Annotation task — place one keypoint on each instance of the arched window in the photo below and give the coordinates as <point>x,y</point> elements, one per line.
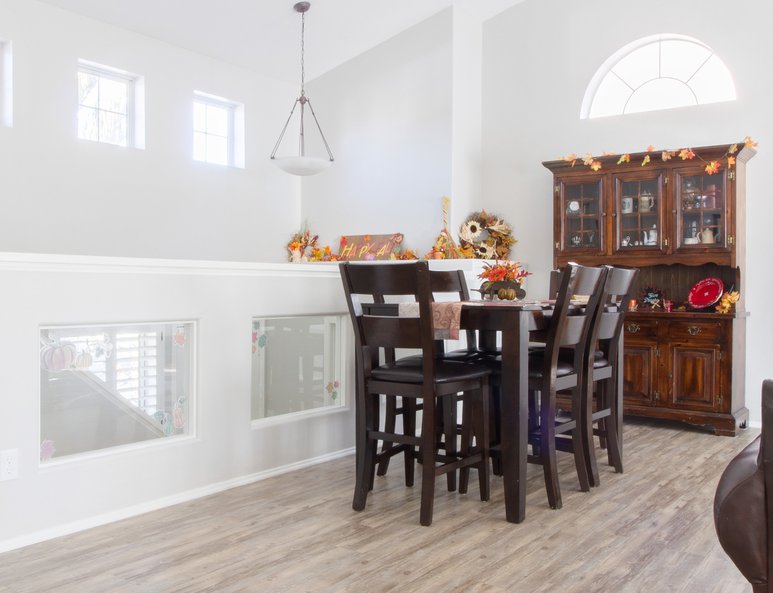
<point>657,72</point>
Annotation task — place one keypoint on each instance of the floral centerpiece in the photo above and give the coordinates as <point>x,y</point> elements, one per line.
<point>503,279</point>
<point>303,247</point>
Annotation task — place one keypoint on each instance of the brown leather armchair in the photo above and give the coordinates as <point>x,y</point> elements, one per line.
<point>743,504</point>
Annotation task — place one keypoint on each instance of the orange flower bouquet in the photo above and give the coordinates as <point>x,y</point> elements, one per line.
<point>503,279</point>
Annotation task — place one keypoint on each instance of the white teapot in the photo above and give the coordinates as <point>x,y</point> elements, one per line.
<point>650,237</point>
<point>707,236</point>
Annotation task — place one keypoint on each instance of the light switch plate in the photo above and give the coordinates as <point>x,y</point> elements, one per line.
<point>9,464</point>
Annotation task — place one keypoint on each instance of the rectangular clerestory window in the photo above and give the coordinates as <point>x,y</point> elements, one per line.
<point>6,84</point>
<point>218,130</point>
<point>110,105</point>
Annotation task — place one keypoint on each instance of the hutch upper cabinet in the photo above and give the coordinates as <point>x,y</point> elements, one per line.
<point>678,223</point>
<point>629,214</point>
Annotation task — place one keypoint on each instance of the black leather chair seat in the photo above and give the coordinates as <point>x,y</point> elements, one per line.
<point>537,365</point>
<point>409,370</point>
<point>599,361</point>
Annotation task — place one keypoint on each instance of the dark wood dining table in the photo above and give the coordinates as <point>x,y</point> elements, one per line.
<point>514,321</point>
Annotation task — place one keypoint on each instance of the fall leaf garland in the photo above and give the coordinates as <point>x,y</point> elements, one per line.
<point>685,154</point>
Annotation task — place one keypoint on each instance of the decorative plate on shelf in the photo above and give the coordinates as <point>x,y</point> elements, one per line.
<point>705,293</point>
<point>574,207</point>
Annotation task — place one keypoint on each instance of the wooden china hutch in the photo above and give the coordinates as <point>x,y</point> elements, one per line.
<point>679,225</point>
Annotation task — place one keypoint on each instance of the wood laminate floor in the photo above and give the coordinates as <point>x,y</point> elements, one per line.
<point>649,530</point>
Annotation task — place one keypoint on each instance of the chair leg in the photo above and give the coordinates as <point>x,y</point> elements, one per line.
<point>427,462</point>
<point>476,422</point>
<point>409,428</point>
<point>389,426</point>
<point>448,405</point>
<point>467,436</point>
<point>534,414</point>
<point>612,424</point>
<point>483,439</point>
<point>495,428</point>
<point>579,438</point>
<point>585,435</point>
<point>547,450</point>
<point>367,449</point>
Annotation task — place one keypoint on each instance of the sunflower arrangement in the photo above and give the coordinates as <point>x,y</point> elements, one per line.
<point>485,236</point>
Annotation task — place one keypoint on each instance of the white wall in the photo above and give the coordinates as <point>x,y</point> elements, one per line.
<point>62,195</point>
<point>227,450</point>
<point>467,137</point>
<point>387,115</point>
<point>538,58</point>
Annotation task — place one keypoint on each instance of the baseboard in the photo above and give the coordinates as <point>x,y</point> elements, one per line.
<point>160,503</point>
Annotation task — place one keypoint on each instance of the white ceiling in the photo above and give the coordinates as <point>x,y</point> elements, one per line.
<point>264,35</point>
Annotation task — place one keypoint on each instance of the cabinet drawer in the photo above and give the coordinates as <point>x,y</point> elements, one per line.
<point>692,331</point>
<point>640,330</point>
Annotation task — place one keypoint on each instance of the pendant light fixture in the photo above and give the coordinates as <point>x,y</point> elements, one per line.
<point>302,164</point>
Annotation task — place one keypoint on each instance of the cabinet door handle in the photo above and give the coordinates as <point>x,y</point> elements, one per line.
<point>694,330</point>
<point>632,328</point>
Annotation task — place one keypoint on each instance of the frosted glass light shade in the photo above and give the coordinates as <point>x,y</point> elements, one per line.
<point>302,165</point>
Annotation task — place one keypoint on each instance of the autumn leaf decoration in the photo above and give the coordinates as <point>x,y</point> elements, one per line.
<point>686,154</point>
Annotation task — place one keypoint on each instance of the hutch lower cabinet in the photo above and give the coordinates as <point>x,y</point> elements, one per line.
<point>678,216</point>
<point>685,367</point>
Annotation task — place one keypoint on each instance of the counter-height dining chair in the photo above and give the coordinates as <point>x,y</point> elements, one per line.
<point>427,379</point>
<point>743,504</point>
<point>602,403</point>
<point>550,372</point>
<point>445,285</point>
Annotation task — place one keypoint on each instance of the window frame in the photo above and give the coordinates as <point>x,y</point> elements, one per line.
<point>235,138</point>
<point>6,83</point>
<point>111,331</point>
<point>135,121</point>
<point>608,66</point>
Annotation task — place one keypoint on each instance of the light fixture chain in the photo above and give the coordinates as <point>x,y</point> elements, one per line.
<point>303,61</point>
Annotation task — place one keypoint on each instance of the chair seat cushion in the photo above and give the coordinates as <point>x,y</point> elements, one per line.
<point>739,514</point>
<point>462,354</point>
<point>567,355</point>
<point>409,370</point>
<point>537,366</point>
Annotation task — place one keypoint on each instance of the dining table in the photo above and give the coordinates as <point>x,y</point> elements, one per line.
<point>513,322</point>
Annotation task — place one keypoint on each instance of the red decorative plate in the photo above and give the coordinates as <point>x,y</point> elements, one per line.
<point>705,293</point>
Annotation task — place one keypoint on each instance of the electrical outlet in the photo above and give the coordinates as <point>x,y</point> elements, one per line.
<point>9,464</point>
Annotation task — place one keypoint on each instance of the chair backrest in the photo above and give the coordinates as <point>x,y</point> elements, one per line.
<point>555,283</point>
<point>452,282</point>
<point>570,324</point>
<point>376,333</point>
<point>608,324</point>
<point>743,503</point>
